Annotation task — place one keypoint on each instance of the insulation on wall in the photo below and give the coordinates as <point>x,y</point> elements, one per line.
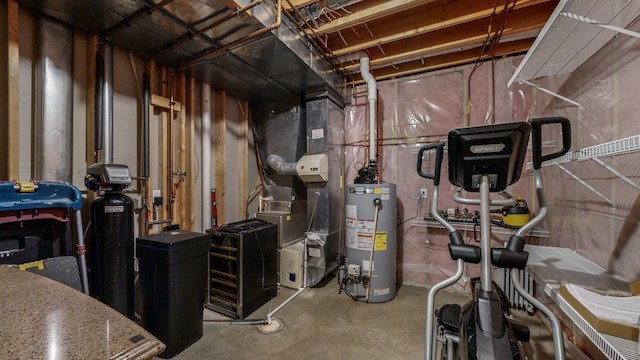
<point>422,109</point>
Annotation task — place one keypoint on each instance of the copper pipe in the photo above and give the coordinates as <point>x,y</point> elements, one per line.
<point>209,54</point>
<point>208,27</point>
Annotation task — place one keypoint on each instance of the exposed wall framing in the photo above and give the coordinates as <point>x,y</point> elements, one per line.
<point>13,94</point>
<point>220,144</point>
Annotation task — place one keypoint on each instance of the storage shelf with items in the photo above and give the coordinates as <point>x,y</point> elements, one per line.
<point>469,226</point>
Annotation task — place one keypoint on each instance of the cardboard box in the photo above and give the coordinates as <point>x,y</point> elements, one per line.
<point>622,330</point>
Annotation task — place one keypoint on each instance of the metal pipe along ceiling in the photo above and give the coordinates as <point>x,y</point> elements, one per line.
<point>54,87</point>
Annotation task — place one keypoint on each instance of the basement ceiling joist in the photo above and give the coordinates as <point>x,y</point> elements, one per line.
<point>214,40</point>
<point>401,36</point>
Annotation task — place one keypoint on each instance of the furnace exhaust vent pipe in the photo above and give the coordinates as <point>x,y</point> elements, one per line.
<point>372,95</point>
<point>369,173</point>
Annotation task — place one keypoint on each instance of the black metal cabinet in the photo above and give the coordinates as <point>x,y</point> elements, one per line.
<point>242,267</point>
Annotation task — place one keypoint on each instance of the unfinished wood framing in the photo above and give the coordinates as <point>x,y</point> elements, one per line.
<point>243,154</point>
<point>190,104</point>
<point>220,144</point>
<point>163,170</point>
<point>13,93</point>
<point>181,156</point>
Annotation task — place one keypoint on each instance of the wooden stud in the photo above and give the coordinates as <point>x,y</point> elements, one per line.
<point>181,155</point>
<point>163,173</point>
<point>165,103</point>
<point>243,156</point>
<point>150,183</point>
<point>190,102</point>
<point>13,91</point>
<point>220,143</point>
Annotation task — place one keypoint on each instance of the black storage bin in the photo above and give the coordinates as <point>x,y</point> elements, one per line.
<point>173,274</point>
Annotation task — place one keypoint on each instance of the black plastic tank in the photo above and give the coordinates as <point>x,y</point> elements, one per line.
<point>111,252</point>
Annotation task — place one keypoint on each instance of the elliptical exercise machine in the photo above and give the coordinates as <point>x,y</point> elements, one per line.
<point>487,159</point>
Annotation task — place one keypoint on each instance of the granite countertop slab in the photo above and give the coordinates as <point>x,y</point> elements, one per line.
<point>44,319</point>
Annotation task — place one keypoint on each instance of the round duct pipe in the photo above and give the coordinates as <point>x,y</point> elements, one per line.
<point>281,167</point>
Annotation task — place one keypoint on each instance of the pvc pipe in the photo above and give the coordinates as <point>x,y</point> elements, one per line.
<point>205,139</point>
<point>372,95</point>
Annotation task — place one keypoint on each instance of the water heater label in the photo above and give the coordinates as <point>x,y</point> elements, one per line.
<point>381,291</point>
<point>114,209</point>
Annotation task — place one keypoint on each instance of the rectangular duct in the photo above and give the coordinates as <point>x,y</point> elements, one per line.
<point>325,135</point>
<point>52,152</point>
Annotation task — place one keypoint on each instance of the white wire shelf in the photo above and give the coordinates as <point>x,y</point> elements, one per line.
<point>552,266</point>
<point>468,226</point>
<point>613,148</point>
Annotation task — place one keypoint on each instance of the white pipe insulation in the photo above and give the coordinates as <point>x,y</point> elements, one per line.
<point>205,140</point>
<point>372,95</point>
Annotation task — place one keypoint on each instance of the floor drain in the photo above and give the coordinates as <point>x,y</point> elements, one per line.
<point>274,326</point>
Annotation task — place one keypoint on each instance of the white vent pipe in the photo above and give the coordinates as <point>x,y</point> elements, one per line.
<point>372,95</point>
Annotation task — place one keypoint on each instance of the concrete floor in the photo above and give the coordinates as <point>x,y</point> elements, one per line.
<point>322,324</point>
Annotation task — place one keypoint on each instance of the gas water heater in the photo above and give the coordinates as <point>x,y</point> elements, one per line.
<point>111,247</point>
<point>370,242</point>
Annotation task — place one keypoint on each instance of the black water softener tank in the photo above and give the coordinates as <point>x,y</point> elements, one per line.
<point>111,247</point>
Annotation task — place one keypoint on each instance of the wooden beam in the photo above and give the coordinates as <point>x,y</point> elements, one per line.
<point>422,23</point>
<point>470,34</point>
<point>449,60</point>
<point>190,103</point>
<point>220,144</point>
<point>368,14</point>
<point>165,103</point>
<point>243,157</point>
<point>13,92</point>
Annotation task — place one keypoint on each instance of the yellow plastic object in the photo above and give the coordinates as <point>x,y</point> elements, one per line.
<point>516,214</point>
<point>39,264</point>
<point>26,187</point>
